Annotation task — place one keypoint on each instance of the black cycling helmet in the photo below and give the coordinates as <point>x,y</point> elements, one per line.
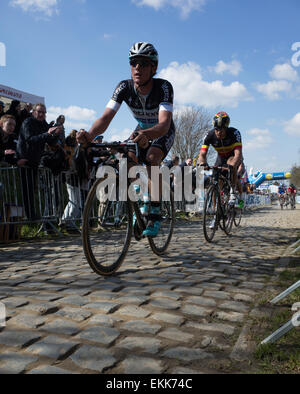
<point>221,120</point>
<point>144,49</point>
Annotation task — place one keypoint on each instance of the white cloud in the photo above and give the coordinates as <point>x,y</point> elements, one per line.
<point>185,6</point>
<point>46,7</point>
<point>284,72</point>
<point>272,89</point>
<point>292,126</point>
<point>107,36</point>
<point>261,139</point>
<point>283,75</point>
<point>190,88</point>
<point>76,117</point>
<point>233,68</point>
<point>120,135</point>
<point>257,131</point>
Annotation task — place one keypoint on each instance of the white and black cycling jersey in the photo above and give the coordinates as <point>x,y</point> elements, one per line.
<point>145,109</point>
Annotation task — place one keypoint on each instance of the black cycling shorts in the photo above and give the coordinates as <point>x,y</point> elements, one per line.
<point>222,161</point>
<point>163,143</point>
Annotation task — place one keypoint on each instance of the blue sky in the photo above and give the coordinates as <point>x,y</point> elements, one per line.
<point>232,55</point>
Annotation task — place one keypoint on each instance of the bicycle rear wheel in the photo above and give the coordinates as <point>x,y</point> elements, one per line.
<point>160,244</point>
<point>210,213</point>
<point>106,231</point>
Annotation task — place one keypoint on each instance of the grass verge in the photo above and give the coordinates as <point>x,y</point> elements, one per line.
<point>283,356</point>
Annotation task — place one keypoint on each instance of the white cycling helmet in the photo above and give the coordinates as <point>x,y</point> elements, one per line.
<point>144,49</point>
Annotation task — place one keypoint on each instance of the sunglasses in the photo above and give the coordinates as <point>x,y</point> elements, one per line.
<point>142,63</point>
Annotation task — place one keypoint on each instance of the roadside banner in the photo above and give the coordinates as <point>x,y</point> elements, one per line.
<point>24,97</point>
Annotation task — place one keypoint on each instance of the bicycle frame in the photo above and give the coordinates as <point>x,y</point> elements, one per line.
<point>122,147</point>
<point>217,177</point>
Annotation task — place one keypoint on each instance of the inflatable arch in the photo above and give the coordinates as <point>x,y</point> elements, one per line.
<point>262,177</point>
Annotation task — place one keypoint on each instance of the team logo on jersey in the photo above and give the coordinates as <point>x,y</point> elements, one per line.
<point>119,90</point>
<point>238,136</point>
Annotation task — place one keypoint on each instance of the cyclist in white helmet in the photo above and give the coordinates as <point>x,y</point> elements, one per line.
<point>151,103</point>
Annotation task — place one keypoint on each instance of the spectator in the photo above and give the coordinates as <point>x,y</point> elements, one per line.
<point>15,110</point>
<point>73,208</point>
<point>173,162</point>
<point>187,163</point>
<point>8,143</point>
<point>26,112</point>
<point>77,179</point>
<point>2,107</point>
<point>34,134</point>
<point>60,121</point>
<point>83,158</point>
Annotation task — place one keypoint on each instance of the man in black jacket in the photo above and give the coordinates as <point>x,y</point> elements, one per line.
<point>26,112</point>
<point>2,106</point>
<point>34,134</point>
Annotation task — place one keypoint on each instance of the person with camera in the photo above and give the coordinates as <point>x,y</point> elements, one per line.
<point>74,206</point>
<point>60,121</point>
<point>34,134</point>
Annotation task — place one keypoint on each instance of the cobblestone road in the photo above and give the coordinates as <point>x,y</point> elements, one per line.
<point>179,314</point>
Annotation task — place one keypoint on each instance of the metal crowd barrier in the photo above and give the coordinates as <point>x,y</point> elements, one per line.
<point>251,200</point>
<point>257,200</point>
<point>36,196</point>
<point>29,196</point>
<point>292,323</point>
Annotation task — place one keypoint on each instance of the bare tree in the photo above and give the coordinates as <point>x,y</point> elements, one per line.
<point>192,124</point>
<point>296,175</point>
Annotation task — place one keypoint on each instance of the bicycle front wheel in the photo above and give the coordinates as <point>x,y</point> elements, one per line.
<point>237,217</point>
<point>210,213</point>
<point>228,210</point>
<point>106,231</point>
<point>160,244</point>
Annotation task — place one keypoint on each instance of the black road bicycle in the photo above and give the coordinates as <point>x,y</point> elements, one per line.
<point>108,226</point>
<point>217,210</point>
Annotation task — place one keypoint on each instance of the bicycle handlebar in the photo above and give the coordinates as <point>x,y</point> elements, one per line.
<point>119,146</point>
<point>220,168</point>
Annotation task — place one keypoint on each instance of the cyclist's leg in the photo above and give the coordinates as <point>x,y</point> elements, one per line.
<point>234,175</point>
<point>235,181</point>
<point>280,198</point>
<point>219,163</point>
<point>154,158</point>
<point>158,150</point>
<point>240,173</point>
<point>293,196</point>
